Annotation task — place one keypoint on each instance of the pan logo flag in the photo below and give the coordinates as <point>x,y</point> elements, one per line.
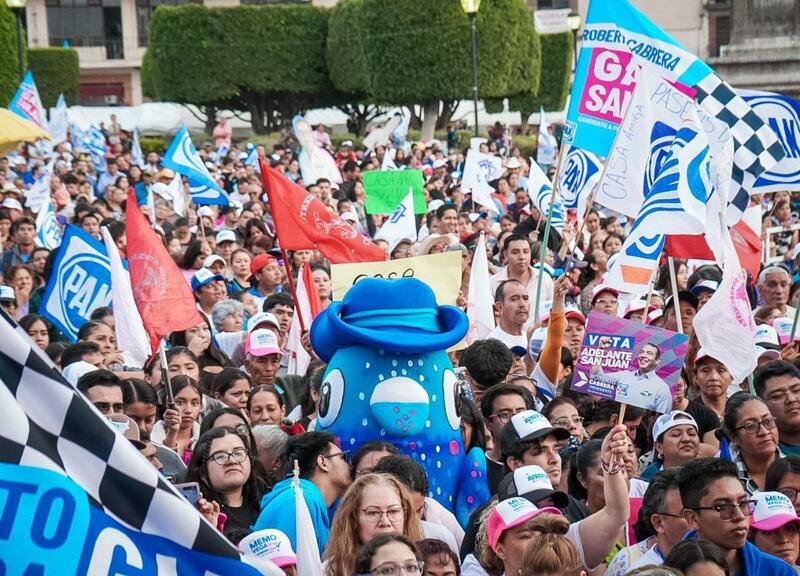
<point>184,159</point>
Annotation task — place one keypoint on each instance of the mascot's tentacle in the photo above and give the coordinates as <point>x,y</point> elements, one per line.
<point>472,486</point>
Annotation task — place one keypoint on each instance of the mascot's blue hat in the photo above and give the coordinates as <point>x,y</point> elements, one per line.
<point>396,315</point>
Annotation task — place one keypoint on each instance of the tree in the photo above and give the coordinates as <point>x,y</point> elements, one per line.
<point>56,71</point>
<point>9,67</point>
<point>408,52</point>
<point>268,60</point>
<point>557,55</point>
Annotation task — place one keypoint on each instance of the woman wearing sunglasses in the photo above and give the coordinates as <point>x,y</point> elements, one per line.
<point>221,465</point>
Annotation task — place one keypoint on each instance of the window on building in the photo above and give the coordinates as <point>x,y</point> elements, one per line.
<point>552,4</point>
<point>722,33</point>
<point>144,12</point>
<point>85,23</point>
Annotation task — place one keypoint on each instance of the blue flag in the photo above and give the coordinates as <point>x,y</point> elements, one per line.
<point>616,41</point>
<point>252,159</point>
<point>782,114</point>
<point>26,101</point>
<point>579,173</point>
<point>79,282</point>
<point>94,141</point>
<point>182,157</point>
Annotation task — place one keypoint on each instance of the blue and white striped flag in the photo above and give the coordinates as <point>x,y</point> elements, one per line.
<point>540,191</point>
<point>95,142</point>
<point>182,157</point>
<point>48,233</point>
<point>252,159</point>
<point>221,152</point>
<point>676,202</point>
<point>137,157</point>
<point>59,121</point>
<point>39,192</point>
<point>26,102</point>
<point>579,174</point>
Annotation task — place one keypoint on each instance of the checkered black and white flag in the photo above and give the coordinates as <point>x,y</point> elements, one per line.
<point>47,424</point>
<point>756,147</point>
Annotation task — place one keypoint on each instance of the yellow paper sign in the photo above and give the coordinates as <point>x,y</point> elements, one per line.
<point>442,272</point>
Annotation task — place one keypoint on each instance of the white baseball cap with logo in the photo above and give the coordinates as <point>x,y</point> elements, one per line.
<point>527,425</point>
<point>271,544</point>
<point>533,483</point>
<point>773,510</point>
<point>262,342</point>
<point>7,294</point>
<point>670,420</point>
<point>257,320</point>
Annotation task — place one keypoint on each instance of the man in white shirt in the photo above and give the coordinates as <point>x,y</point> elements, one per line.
<point>512,305</point>
<point>643,387</point>
<point>517,252</point>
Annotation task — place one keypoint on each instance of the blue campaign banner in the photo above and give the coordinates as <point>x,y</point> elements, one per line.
<point>782,114</point>
<point>50,528</point>
<point>79,282</point>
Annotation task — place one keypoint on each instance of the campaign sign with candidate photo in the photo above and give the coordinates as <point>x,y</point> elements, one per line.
<point>627,361</point>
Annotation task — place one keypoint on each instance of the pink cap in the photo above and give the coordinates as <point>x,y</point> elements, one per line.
<point>772,511</point>
<point>510,514</point>
<point>600,288</point>
<point>262,342</point>
<point>271,544</point>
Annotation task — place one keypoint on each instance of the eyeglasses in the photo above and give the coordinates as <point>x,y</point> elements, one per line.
<point>222,458</point>
<point>345,454</point>
<point>753,427</point>
<point>374,514</point>
<point>784,395</point>
<point>566,421</point>
<point>505,415</point>
<point>395,569</point>
<point>790,493</point>
<point>726,510</point>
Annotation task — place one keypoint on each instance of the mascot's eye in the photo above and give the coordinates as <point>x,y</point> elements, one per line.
<point>452,399</point>
<point>331,393</point>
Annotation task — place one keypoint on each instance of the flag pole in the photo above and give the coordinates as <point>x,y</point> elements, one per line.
<point>546,237</point>
<point>675,303</point>
<point>650,285</point>
<point>794,325</point>
<point>571,251</point>
<point>292,289</point>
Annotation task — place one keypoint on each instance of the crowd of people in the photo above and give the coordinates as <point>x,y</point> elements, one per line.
<point>707,485</point>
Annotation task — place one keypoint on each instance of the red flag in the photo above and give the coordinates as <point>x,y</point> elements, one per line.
<point>162,295</point>
<point>315,304</point>
<point>745,240</point>
<point>303,222</point>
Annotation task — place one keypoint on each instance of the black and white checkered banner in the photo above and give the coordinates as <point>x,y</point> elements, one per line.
<point>76,497</point>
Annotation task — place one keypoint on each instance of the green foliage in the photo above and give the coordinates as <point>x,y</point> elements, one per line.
<point>557,54</point>
<point>411,51</point>
<point>149,73</point>
<point>152,144</point>
<point>56,71</point>
<point>9,67</point>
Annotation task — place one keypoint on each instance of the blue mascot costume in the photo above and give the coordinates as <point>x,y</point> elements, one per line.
<point>389,378</point>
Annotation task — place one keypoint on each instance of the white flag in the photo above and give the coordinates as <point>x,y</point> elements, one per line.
<point>724,325</point>
<point>540,191</point>
<point>479,299</point>
<point>58,122</point>
<point>48,234</point>
<point>175,190</point>
<point>401,222</point>
<point>299,359</point>
<point>308,560</point>
<point>389,155</point>
<point>131,336</point>
<point>39,192</point>
<point>137,157</point>
<point>546,143</point>
<point>479,170</point>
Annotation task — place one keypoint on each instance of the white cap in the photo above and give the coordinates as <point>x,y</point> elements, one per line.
<point>271,544</point>
<point>766,334</point>
<point>7,294</point>
<point>225,236</point>
<point>433,205</point>
<point>205,211</point>
<point>670,420</point>
<point>262,318</point>
<point>74,371</point>
<point>440,163</point>
<point>773,510</point>
<point>12,204</point>
<point>783,327</point>
<point>212,259</point>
